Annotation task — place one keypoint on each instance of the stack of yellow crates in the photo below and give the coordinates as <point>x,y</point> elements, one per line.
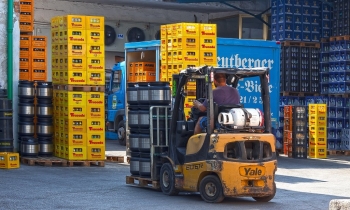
<point>9,160</point>
<point>78,59</point>
<point>185,45</point>
<point>318,130</point>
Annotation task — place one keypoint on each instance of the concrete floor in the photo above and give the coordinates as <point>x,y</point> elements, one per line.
<point>301,184</point>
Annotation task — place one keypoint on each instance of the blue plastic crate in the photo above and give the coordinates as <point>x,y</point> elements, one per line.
<point>344,76</point>
<point>346,123</point>
<point>285,9</point>
<point>315,28</point>
<point>340,122</point>
<point>334,56</point>
<point>274,3</point>
<point>297,19</point>
<point>346,22</point>
<point>324,88</point>
<point>305,11</point>
<point>274,36</point>
<point>324,78</point>
<point>324,68</point>
<point>306,36</point>
<point>333,77</point>
<point>331,134</point>
<point>324,58</point>
<point>274,11</point>
<point>285,27</point>
<point>315,37</point>
<point>326,24</point>
<point>347,102</point>
<point>344,45</point>
<point>334,144</point>
<point>306,3</point>
<point>346,110</point>
<point>326,33</point>
<point>285,2</point>
<point>315,4</point>
<point>274,28</point>
<point>331,103</point>
<point>344,55</point>
<point>340,113</point>
<point>285,35</point>
<point>332,122</point>
<point>344,66</point>
<point>297,3</point>
<point>324,47</point>
<point>306,19</point>
<point>298,27</point>
<point>309,100</point>
<point>297,36</point>
<point>326,16</point>
<point>334,46</point>
<point>306,28</point>
<point>274,19</point>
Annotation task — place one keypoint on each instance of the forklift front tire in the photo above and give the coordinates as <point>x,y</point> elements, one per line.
<point>167,180</point>
<point>210,189</point>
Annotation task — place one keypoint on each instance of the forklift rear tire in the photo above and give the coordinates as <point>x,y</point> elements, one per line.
<point>121,133</point>
<point>210,189</point>
<point>266,198</point>
<point>167,180</point>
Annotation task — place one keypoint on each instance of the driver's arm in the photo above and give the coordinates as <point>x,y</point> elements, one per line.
<point>199,106</point>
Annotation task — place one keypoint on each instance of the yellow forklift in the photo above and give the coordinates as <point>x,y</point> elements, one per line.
<point>234,159</point>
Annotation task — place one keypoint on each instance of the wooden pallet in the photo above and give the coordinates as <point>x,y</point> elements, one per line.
<point>324,40</point>
<point>118,159</point>
<point>44,161</point>
<point>86,163</point>
<point>344,95</point>
<point>142,182</point>
<point>300,44</point>
<point>301,94</point>
<point>339,38</point>
<point>82,88</point>
<point>338,152</point>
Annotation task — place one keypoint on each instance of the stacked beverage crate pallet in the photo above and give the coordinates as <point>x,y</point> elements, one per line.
<point>185,45</point>
<point>33,64</point>
<point>314,61</point>
<point>78,75</point>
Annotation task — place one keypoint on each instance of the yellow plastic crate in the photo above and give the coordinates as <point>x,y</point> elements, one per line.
<point>95,23</point>
<point>188,56</point>
<point>75,126</point>
<point>96,64</point>
<point>187,112</point>
<point>74,78</point>
<point>9,160</point>
<point>95,37</point>
<point>73,49</point>
<point>55,78</point>
<point>208,57</point>
<point>72,98</point>
<point>315,120</point>
<point>95,78</point>
<point>187,43</point>
<point>75,153</point>
<point>317,141</point>
<point>96,153</point>
<point>75,112</point>
<point>208,43</point>
<point>75,21</point>
<point>185,65</point>
<point>95,125</point>
<point>74,64</point>
<point>54,23</point>
<point>318,152</point>
<point>320,131</point>
<point>96,139</point>
<point>72,36</point>
<point>164,44</point>
<point>187,29</point>
<point>208,30</point>
<point>95,99</point>
<point>163,32</point>
<point>95,51</point>
<point>171,43</point>
<point>169,30</point>
<point>75,139</point>
<point>94,112</point>
<point>57,149</point>
<point>318,109</point>
<point>62,151</point>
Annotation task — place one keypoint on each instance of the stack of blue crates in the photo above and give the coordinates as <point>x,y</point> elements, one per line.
<point>335,66</point>
<point>295,20</point>
<point>326,18</point>
<point>341,17</point>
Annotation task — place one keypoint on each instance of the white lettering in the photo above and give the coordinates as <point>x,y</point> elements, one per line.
<point>244,60</point>
<point>236,61</point>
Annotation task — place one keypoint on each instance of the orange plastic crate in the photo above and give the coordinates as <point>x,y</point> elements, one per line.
<point>26,26</point>
<point>39,75</point>
<point>26,5</point>
<point>25,41</point>
<point>39,52</point>
<point>39,41</point>
<point>26,17</point>
<point>24,74</point>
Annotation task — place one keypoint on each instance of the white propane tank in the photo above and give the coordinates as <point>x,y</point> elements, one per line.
<point>236,117</point>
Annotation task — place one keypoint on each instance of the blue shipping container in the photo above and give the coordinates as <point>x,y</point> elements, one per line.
<point>253,53</point>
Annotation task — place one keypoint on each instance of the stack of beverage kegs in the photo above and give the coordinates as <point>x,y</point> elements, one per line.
<point>148,109</point>
<point>6,125</point>
<point>28,145</point>
<point>44,117</point>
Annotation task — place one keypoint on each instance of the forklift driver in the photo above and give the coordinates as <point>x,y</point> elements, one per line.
<point>222,95</point>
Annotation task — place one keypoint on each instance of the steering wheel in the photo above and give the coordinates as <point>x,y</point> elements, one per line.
<point>195,112</point>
